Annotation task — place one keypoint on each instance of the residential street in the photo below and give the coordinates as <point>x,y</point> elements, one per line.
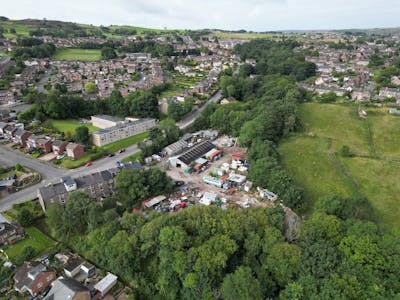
<point>183,124</point>
<point>52,174</point>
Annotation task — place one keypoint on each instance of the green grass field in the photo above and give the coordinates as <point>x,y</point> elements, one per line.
<point>314,168</point>
<point>340,123</point>
<point>116,146</point>
<point>70,125</point>
<point>374,171</point>
<point>20,29</point>
<point>40,242</point>
<point>78,54</point>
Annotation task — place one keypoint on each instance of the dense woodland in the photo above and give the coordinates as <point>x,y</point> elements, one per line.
<point>209,253</point>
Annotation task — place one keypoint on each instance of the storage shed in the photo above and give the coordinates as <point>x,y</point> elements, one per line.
<point>106,284</point>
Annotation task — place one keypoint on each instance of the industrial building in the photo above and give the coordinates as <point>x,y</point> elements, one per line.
<point>191,155</point>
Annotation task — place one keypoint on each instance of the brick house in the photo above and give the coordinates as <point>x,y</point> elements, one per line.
<point>32,140</point>
<point>59,147</point>
<point>10,233</point>
<point>33,278</point>
<point>44,144</point>
<point>21,136</point>
<point>75,151</point>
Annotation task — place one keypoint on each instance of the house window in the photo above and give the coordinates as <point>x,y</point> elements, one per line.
<point>50,277</point>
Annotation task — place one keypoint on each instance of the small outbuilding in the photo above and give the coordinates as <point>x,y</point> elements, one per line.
<point>106,284</point>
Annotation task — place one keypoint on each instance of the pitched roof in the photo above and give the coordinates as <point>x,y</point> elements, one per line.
<point>27,274</point>
<point>49,192</point>
<point>58,143</point>
<point>73,146</point>
<point>64,289</point>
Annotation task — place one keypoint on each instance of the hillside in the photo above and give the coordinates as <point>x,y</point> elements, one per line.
<point>69,29</point>
<point>374,169</point>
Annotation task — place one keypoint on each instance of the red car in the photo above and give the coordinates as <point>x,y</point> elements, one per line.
<point>88,164</point>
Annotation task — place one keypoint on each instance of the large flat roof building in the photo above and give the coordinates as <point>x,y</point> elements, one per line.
<point>123,131</point>
<point>105,121</point>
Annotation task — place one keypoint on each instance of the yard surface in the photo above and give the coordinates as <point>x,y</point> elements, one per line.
<point>374,171</point>
<point>40,242</point>
<point>78,54</point>
<point>71,125</point>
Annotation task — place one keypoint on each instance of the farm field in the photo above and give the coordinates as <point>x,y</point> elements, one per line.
<point>71,125</point>
<point>19,29</point>
<point>78,54</point>
<point>312,158</point>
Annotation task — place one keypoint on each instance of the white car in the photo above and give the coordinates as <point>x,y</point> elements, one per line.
<point>60,156</point>
<point>246,205</point>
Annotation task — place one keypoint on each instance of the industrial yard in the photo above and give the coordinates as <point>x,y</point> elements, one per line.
<point>218,177</point>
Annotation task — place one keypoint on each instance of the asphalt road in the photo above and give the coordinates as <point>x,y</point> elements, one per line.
<point>52,174</point>
<point>185,123</point>
<point>42,81</point>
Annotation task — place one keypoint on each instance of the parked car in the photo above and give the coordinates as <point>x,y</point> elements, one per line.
<point>111,155</point>
<point>88,164</point>
<point>122,150</point>
<point>60,156</point>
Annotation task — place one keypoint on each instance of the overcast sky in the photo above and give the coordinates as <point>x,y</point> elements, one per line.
<point>257,15</point>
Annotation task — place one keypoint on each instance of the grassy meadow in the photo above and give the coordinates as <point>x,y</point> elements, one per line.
<point>312,158</point>
<point>78,54</point>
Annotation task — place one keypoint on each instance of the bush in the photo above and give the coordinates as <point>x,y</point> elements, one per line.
<point>27,254</point>
<point>18,167</point>
<point>25,217</point>
<point>345,151</point>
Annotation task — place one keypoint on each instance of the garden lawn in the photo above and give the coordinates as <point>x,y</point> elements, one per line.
<point>78,54</point>
<point>68,163</point>
<point>40,242</point>
<point>116,146</point>
<point>71,125</point>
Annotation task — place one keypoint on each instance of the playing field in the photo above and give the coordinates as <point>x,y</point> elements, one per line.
<point>312,160</point>
<point>78,54</point>
<point>70,125</point>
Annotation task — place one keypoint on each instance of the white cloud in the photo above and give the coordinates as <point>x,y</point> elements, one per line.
<point>257,15</point>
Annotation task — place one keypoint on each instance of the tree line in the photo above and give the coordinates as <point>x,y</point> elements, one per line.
<point>59,105</point>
